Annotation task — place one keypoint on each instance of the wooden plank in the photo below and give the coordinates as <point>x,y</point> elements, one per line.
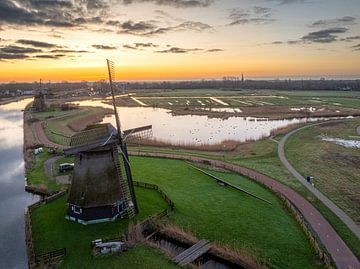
<point>192,253</point>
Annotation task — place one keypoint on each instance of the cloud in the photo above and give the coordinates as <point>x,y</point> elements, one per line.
<point>285,2</point>
<point>7,56</point>
<point>104,47</point>
<point>145,45</point>
<point>347,20</point>
<point>255,15</point>
<point>356,47</point>
<point>174,3</point>
<point>178,50</point>
<point>17,49</point>
<point>50,56</point>
<point>214,50</point>
<point>37,44</point>
<point>47,50</point>
<point>324,36</point>
<point>149,28</point>
<point>350,38</point>
<point>127,46</point>
<point>68,51</point>
<point>55,13</point>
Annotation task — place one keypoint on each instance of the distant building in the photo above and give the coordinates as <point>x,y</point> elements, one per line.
<point>39,104</point>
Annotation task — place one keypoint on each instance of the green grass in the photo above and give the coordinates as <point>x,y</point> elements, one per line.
<point>43,115</point>
<point>52,231</point>
<point>336,169</point>
<point>36,176</point>
<point>56,130</point>
<point>293,98</point>
<point>227,216</point>
<point>262,156</point>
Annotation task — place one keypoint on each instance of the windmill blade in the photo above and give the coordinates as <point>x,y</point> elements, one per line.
<point>111,72</point>
<point>142,132</point>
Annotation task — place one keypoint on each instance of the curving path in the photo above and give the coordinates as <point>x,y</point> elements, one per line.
<point>339,251</point>
<point>42,138</point>
<point>331,205</point>
<point>49,166</point>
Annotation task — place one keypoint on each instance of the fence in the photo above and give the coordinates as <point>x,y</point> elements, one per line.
<point>156,187</point>
<point>45,258</point>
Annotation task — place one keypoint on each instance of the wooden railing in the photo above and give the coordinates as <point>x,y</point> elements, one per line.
<point>48,257</point>
<point>156,187</point>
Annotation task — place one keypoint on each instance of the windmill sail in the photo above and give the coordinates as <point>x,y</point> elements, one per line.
<point>122,145</point>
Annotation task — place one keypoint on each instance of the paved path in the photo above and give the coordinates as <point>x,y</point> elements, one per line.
<point>358,130</point>
<point>340,253</point>
<point>332,206</point>
<point>49,166</point>
<point>42,138</point>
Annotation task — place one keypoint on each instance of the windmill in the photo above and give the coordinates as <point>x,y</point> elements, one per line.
<point>102,187</point>
<point>39,104</point>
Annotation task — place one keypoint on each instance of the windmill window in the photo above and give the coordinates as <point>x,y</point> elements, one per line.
<point>80,157</point>
<point>83,195</point>
<point>77,209</point>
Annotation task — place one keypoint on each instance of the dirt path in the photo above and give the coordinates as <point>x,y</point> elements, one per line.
<point>326,201</point>
<point>340,253</point>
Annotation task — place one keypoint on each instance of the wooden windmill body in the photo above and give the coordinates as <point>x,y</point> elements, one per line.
<point>102,187</point>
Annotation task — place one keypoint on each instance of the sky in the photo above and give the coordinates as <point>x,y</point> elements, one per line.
<point>70,40</point>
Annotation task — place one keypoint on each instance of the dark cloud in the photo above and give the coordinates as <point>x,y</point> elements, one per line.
<point>68,51</point>
<point>140,46</point>
<point>104,47</point>
<point>356,47</point>
<point>145,45</point>
<point>9,56</point>
<point>50,56</point>
<point>137,28</point>
<point>55,13</point>
<point>350,38</point>
<point>174,3</point>
<point>178,50</point>
<point>255,15</point>
<point>347,20</point>
<point>37,44</point>
<point>17,49</point>
<point>285,2</point>
<point>324,36</point>
<point>149,28</point>
<point>214,50</point>
<point>127,46</point>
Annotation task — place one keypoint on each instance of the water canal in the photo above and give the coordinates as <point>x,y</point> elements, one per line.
<point>195,129</point>
<point>13,198</point>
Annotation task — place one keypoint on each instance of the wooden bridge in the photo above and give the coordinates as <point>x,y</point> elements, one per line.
<point>192,253</point>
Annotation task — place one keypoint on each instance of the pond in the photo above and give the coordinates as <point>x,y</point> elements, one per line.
<point>195,129</point>
<point>13,198</point>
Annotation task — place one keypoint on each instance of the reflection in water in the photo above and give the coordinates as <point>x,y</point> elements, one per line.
<point>195,129</point>
<point>13,198</point>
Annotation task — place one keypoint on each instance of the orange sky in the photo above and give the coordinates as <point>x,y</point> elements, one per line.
<point>150,41</point>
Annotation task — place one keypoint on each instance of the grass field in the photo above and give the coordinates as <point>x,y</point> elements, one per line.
<point>227,216</point>
<point>336,169</point>
<point>262,156</point>
<point>52,231</point>
<point>202,206</point>
<point>36,176</point>
<point>244,98</point>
